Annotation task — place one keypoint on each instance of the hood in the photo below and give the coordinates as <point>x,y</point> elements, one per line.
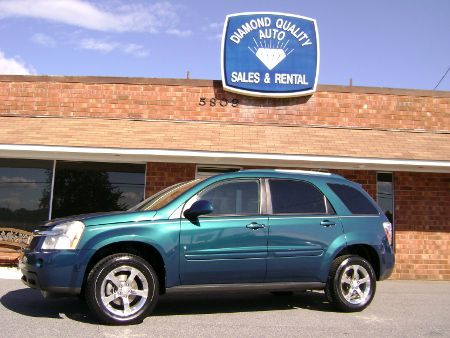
<point>100,218</point>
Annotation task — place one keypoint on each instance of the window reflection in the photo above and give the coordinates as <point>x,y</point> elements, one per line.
<point>85,187</point>
<point>80,187</point>
<point>24,188</point>
<point>239,197</point>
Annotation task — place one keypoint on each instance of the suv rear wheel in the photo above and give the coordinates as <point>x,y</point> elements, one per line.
<point>121,289</point>
<point>351,283</point>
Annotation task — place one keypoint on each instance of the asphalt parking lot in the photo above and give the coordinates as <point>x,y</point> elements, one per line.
<point>400,309</point>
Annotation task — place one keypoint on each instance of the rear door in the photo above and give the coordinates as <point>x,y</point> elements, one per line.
<point>302,225</point>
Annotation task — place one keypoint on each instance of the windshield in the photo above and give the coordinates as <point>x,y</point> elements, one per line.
<point>164,197</point>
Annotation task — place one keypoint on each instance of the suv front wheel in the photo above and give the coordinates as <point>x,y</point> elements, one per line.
<point>122,289</point>
<point>351,283</point>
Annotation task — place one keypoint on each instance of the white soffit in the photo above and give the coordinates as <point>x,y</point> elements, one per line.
<point>223,158</point>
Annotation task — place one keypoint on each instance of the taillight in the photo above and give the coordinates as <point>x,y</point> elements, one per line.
<point>388,230</point>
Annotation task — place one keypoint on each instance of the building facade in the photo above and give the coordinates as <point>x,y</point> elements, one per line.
<point>131,137</point>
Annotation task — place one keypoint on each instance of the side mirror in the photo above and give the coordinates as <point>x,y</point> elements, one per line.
<point>200,207</point>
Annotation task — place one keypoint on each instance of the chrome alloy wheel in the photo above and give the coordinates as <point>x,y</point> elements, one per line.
<point>355,284</point>
<point>124,291</point>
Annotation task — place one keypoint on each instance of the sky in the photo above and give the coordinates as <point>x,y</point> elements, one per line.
<point>383,43</point>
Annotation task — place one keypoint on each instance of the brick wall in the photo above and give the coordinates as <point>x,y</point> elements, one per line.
<point>162,175</point>
<point>422,255</point>
<point>179,100</point>
<point>422,219</point>
<point>422,199</point>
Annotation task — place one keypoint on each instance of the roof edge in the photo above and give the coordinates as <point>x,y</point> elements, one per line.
<point>132,155</point>
<point>211,83</point>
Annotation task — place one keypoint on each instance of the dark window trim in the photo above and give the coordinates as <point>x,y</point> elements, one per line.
<point>270,206</point>
<point>230,215</point>
<point>329,207</point>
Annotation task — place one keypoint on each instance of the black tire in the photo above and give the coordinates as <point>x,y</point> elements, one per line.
<point>351,283</point>
<point>122,280</point>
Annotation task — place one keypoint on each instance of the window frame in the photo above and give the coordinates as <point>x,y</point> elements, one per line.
<point>393,223</point>
<point>378,193</point>
<point>262,206</point>
<point>329,209</point>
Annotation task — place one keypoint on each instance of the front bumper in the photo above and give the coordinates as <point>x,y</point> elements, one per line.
<point>53,271</point>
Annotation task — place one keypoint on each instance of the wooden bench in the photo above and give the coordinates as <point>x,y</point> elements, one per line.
<point>12,241</point>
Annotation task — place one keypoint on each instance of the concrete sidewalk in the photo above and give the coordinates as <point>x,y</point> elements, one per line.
<point>9,273</point>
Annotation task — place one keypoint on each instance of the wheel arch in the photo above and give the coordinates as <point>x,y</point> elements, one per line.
<point>141,249</point>
<point>365,251</point>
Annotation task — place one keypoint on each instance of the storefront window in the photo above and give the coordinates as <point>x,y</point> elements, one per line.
<point>24,193</point>
<point>385,194</point>
<point>85,187</point>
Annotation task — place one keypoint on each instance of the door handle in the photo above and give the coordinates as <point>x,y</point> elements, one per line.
<point>327,223</point>
<point>255,226</point>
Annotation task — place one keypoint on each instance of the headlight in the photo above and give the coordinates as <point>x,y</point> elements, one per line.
<point>64,236</point>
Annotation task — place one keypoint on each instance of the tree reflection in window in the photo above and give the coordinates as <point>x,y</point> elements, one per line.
<point>83,191</point>
<point>87,187</point>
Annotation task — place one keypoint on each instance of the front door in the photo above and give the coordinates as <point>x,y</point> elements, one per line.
<point>230,244</point>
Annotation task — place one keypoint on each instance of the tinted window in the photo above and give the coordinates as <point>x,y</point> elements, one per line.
<point>354,199</point>
<point>24,192</point>
<point>84,187</point>
<point>233,198</point>
<point>296,197</point>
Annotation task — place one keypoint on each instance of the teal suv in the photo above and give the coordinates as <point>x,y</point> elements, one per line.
<point>277,230</point>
